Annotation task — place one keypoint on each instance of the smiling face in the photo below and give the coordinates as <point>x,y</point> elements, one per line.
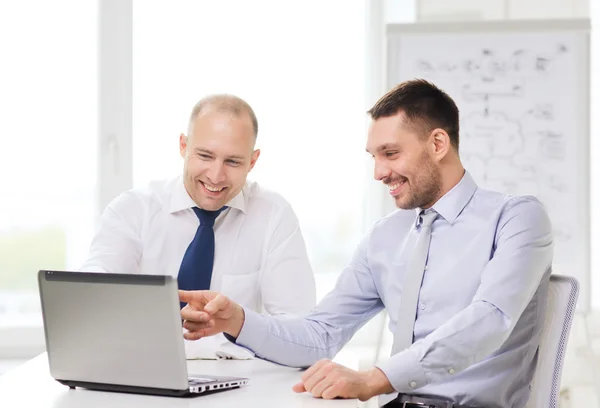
<point>405,162</point>
<point>218,154</point>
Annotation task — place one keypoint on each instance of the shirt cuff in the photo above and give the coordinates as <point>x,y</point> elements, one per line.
<point>404,371</point>
<point>255,331</point>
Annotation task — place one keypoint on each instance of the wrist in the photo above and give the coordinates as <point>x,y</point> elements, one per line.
<point>377,382</point>
<point>236,322</point>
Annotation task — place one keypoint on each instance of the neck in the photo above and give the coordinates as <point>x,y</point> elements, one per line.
<point>451,175</point>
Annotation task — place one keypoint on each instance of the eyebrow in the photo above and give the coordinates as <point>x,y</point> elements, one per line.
<point>234,157</point>
<point>385,147</point>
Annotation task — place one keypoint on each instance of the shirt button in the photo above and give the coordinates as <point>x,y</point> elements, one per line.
<point>451,370</point>
<point>413,384</point>
<point>426,267</point>
<point>422,306</point>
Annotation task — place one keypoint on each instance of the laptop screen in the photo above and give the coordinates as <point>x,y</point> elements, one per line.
<point>113,328</point>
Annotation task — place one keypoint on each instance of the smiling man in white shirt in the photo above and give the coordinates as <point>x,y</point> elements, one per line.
<point>255,253</point>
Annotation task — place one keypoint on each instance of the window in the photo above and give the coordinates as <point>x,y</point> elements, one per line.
<point>47,154</point>
<point>306,86</point>
<point>595,153</point>
<point>300,65</point>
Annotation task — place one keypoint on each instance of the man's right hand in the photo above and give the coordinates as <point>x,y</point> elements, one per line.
<point>208,313</point>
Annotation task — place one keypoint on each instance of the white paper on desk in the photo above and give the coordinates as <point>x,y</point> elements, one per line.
<point>214,348</point>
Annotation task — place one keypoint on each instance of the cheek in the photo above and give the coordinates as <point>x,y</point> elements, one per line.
<point>236,176</point>
<point>402,167</point>
<point>413,167</point>
<point>195,166</point>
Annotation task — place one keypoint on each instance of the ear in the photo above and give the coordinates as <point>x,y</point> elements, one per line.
<point>182,144</point>
<point>254,158</point>
<point>440,144</point>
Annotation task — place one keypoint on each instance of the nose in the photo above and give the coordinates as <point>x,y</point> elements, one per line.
<point>381,171</point>
<point>216,173</point>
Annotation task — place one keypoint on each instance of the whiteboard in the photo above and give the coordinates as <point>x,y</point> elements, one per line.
<point>522,89</point>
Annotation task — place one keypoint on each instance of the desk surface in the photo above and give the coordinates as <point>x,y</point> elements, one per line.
<point>30,385</point>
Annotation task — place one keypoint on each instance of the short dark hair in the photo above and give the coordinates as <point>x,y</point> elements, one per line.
<point>425,105</point>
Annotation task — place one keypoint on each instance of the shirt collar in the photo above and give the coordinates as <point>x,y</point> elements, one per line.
<point>454,201</point>
<point>181,200</point>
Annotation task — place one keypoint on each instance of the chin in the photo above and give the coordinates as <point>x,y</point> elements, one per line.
<point>210,205</point>
<point>403,205</point>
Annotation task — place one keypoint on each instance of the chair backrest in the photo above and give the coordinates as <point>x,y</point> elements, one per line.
<point>562,298</point>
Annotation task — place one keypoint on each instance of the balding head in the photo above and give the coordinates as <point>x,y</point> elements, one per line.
<point>223,103</point>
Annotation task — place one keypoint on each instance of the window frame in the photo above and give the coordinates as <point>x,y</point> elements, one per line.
<point>114,144</point>
<point>114,138</point>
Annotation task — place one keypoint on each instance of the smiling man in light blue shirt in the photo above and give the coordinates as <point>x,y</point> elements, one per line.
<point>481,287</point>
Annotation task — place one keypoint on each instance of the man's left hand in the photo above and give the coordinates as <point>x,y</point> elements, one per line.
<point>328,380</point>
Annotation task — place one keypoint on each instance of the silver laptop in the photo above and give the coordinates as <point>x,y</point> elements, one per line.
<point>116,332</point>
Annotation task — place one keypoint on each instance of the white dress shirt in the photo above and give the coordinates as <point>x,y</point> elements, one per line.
<point>260,256</point>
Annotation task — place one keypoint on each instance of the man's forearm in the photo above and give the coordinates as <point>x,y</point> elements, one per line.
<point>378,383</point>
<point>295,342</point>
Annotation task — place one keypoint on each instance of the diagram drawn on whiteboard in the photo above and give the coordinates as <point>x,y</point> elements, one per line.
<point>509,139</point>
<point>523,94</point>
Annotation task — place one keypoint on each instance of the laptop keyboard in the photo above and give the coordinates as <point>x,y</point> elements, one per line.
<point>199,380</point>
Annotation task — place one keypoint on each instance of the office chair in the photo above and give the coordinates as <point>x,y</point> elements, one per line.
<point>562,298</point>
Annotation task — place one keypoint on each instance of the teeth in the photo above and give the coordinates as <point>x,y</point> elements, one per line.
<point>213,189</point>
<point>394,186</point>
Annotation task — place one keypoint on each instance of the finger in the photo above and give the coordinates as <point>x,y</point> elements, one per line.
<point>321,386</point>
<point>313,369</point>
<point>324,369</point>
<point>190,314</point>
<point>197,298</point>
<point>299,387</point>
<point>196,335</point>
<point>220,302</point>
<point>194,326</point>
<point>187,296</point>
<point>332,392</point>
<point>315,379</point>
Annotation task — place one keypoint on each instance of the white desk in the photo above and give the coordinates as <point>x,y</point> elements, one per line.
<point>30,385</point>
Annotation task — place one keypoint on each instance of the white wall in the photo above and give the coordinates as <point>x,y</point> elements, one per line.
<point>500,9</point>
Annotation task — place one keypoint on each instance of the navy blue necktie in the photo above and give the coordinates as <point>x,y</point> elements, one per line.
<point>196,267</point>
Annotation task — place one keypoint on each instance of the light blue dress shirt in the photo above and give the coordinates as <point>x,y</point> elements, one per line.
<point>480,309</point>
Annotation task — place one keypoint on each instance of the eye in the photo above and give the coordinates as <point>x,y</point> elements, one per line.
<point>391,153</point>
<point>233,162</point>
<point>204,156</point>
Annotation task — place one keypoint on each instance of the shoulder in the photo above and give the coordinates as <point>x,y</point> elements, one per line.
<point>388,229</point>
<point>152,196</point>
<point>507,206</point>
<point>487,205</point>
<point>396,222</point>
<point>261,199</point>
<point>517,218</point>
<point>526,211</point>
